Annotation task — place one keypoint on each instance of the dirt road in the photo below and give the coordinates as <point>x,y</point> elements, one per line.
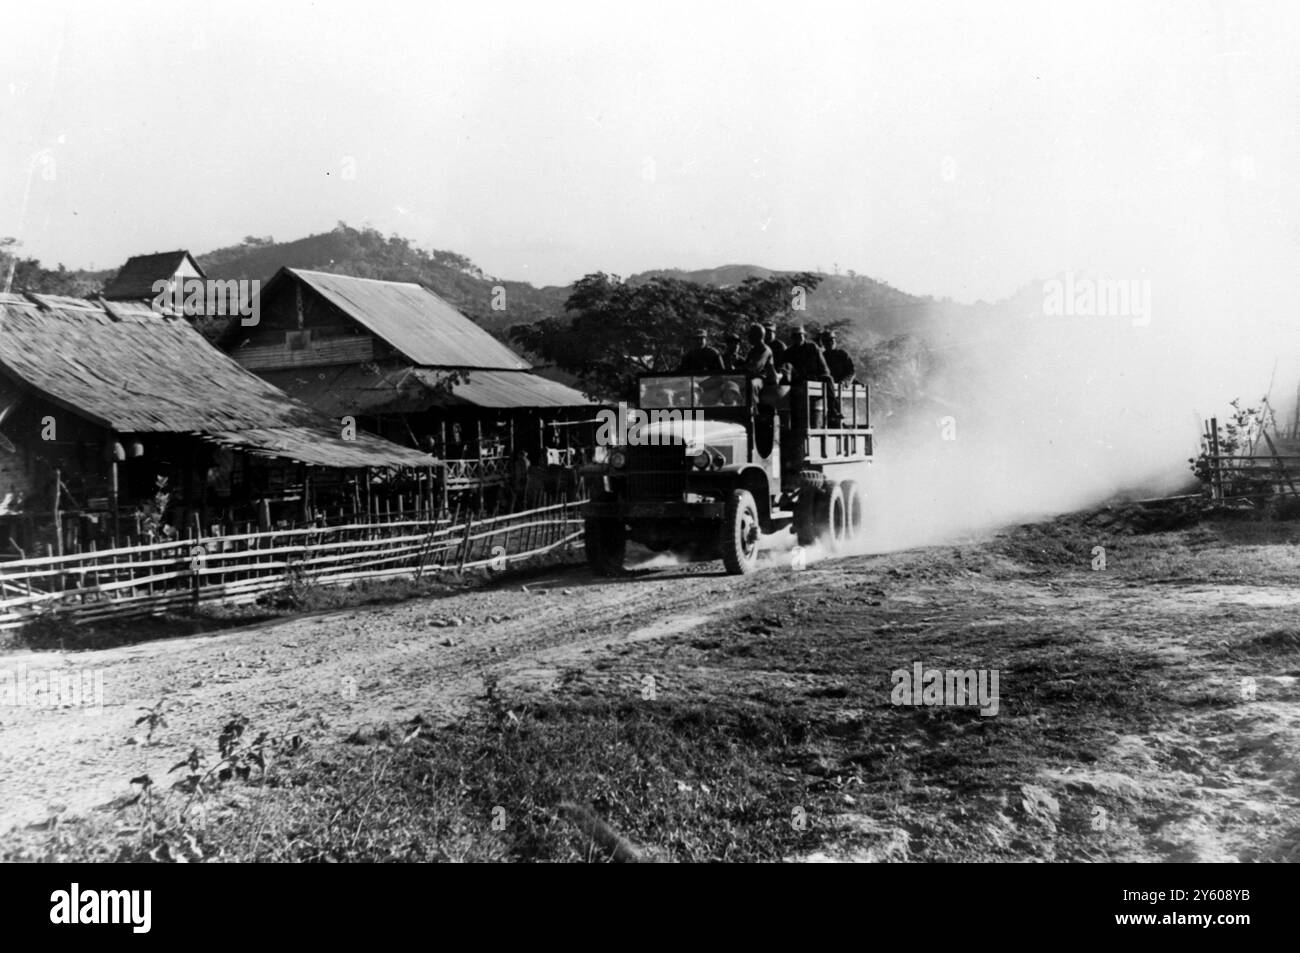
<point>1150,711</point>
<point>328,675</point>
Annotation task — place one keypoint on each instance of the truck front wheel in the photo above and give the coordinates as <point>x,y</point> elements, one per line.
<point>740,533</point>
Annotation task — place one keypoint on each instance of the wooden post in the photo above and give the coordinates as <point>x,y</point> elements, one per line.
<point>112,498</point>
<point>1216,467</point>
<point>305,506</point>
<point>58,520</point>
<point>465,546</point>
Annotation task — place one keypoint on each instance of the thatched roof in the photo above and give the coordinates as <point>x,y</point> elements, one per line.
<point>132,370</point>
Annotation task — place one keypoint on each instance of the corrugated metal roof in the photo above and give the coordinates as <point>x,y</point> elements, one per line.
<point>132,370</point>
<point>136,278</point>
<point>412,319</point>
<point>508,389</point>
<point>368,389</point>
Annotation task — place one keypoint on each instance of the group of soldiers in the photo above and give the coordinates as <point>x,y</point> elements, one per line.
<point>771,361</point>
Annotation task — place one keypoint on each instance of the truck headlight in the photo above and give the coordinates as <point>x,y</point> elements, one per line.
<point>702,460</point>
<point>618,459</point>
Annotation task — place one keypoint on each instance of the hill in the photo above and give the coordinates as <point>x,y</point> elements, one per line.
<point>366,253</point>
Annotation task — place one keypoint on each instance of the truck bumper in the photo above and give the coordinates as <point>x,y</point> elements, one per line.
<point>665,510</point>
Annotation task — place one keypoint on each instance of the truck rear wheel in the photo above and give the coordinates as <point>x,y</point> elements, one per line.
<point>854,520</point>
<point>832,518</point>
<point>740,533</point>
<point>605,540</point>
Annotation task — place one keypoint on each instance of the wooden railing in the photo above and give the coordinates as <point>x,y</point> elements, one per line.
<point>156,577</point>
<point>475,472</point>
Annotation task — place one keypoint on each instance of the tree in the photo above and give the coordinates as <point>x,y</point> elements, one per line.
<point>27,274</point>
<point>615,330</point>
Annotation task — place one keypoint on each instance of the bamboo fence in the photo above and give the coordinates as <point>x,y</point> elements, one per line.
<point>158,577</point>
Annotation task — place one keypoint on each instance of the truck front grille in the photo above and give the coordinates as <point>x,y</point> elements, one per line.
<point>656,486</point>
<point>656,473</point>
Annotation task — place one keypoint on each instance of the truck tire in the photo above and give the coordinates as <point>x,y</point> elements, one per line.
<point>606,543</point>
<point>812,480</point>
<point>831,518</point>
<point>854,528</point>
<point>805,518</point>
<point>740,533</point>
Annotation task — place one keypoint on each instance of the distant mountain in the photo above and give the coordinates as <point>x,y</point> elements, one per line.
<point>875,310</point>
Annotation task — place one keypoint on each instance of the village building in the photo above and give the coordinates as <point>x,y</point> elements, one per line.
<point>119,422</point>
<point>136,280</point>
<point>406,365</point>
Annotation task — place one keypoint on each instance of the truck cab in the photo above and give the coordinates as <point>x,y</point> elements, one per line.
<point>706,465</point>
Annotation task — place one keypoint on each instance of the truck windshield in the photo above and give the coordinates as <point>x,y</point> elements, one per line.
<point>718,390</point>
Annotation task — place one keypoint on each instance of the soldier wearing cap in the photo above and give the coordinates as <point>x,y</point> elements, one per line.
<point>837,359</point>
<point>731,354</point>
<point>702,359</point>
<point>805,358</point>
<point>774,345</point>
<point>758,362</point>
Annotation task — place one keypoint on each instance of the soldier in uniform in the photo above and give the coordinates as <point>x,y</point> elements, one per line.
<point>805,358</point>
<point>731,353</point>
<point>774,345</point>
<point>809,364</point>
<point>702,359</point>
<point>837,359</point>
<point>758,363</point>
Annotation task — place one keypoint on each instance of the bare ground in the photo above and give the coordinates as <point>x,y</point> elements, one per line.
<point>1123,731</point>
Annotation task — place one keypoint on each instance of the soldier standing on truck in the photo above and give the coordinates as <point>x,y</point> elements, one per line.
<point>757,365</point>
<point>774,345</point>
<point>731,354</point>
<point>702,359</point>
<point>809,364</point>
<point>805,358</point>
<point>837,359</point>
<point>758,362</point>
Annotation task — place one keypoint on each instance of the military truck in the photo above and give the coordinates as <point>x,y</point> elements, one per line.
<point>709,464</point>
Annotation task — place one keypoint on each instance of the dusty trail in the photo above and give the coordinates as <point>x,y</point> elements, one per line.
<point>327,675</point>
<point>1202,773</point>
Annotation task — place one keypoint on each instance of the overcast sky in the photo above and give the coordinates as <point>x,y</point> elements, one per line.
<point>950,149</point>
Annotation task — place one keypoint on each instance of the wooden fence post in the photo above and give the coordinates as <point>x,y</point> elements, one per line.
<point>1216,467</point>
<point>465,546</point>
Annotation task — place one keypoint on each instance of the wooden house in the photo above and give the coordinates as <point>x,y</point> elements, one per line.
<point>410,367</point>
<point>135,281</point>
<point>117,421</point>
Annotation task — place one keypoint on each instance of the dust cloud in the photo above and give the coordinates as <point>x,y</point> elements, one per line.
<point>1029,413</point>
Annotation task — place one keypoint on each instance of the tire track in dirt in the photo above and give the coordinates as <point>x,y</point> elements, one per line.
<point>289,676</point>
